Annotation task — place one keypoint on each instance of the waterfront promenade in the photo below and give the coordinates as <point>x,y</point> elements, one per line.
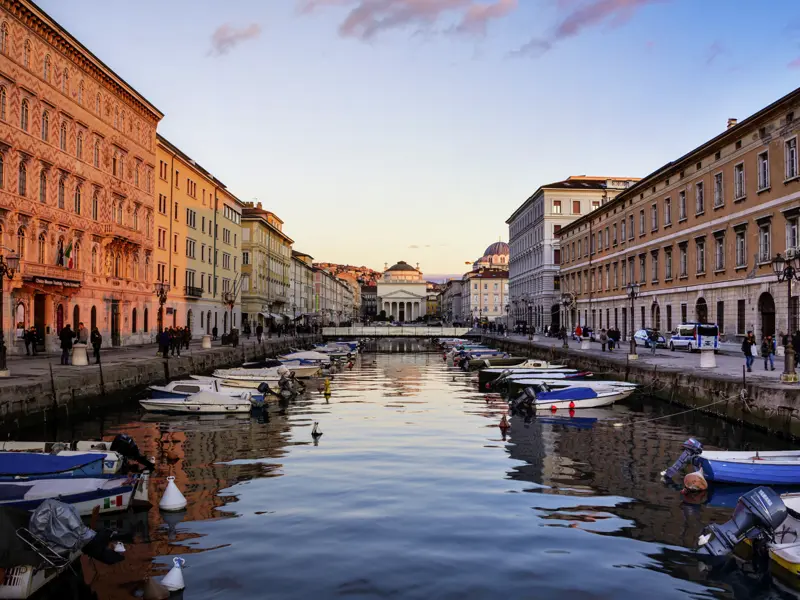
<point>31,392</point>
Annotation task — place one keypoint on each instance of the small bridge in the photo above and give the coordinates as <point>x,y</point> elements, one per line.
<point>394,332</point>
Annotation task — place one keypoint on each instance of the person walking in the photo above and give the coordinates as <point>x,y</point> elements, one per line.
<point>653,336</point>
<point>768,352</point>
<point>747,350</point>
<point>259,332</point>
<point>214,333</point>
<point>603,340</point>
<point>163,343</point>
<point>97,341</point>
<point>578,332</point>
<point>66,336</point>
<point>30,341</point>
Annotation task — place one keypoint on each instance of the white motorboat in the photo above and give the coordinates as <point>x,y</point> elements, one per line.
<point>271,374</point>
<point>562,384</point>
<point>201,402</point>
<point>308,356</point>
<point>571,398</point>
<point>112,461</point>
<point>183,388</point>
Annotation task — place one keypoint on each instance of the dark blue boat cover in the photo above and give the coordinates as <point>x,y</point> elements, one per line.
<point>578,393</point>
<point>29,463</point>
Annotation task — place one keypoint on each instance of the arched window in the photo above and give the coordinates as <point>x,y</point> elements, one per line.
<point>78,200</point>
<point>136,219</point>
<point>21,243</point>
<point>135,275</point>
<point>43,186</point>
<point>61,193</point>
<point>113,211</point>
<point>23,115</point>
<point>94,260</point>
<point>97,154</point>
<point>133,321</point>
<point>80,93</point>
<point>95,206</point>
<point>119,214</point>
<point>65,82</point>
<point>4,38</point>
<point>42,248</point>
<point>45,126</point>
<point>75,259</point>
<point>122,167</point>
<point>23,179</point>
<point>63,139</point>
<point>93,319</point>
<point>2,172</point>
<point>146,324</point>
<point>76,317</point>
<point>117,265</point>
<point>136,175</point>
<point>79,145</point>
<point>26,54</point>
<point>97,104</point>
<point>46,72</point>
<point>146,277</point>
<point>114,165</point>
<point>3,103</point>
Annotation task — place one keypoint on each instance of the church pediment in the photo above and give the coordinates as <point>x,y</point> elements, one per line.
<point>401,293</point>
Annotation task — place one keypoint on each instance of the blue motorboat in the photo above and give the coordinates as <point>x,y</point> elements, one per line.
<point>779,467</point>
<point>16,466</point>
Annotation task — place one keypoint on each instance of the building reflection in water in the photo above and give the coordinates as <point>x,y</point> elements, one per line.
<point>192,450</point>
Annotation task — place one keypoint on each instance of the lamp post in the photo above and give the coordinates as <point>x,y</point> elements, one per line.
<point>566,302</point>
<point>787,269</point>
<point>633,293</point>
<point>8,267</point>
<point>229,299</point>
<point>161,290</point>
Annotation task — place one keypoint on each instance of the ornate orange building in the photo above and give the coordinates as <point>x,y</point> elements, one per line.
<point>77,161</point>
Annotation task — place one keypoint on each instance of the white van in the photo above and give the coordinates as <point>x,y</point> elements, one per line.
<point>695,336</point>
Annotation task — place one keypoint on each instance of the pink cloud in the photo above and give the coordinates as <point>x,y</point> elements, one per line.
<point>585,15</point>
<point>227,36</point>
<point>795,64</point>
<point>368,18</point>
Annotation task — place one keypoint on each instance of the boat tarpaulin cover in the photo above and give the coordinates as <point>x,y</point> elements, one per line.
<point>60,526</point>
<point>577,393</point>
<point>28,463</point>
<point>13,551</point>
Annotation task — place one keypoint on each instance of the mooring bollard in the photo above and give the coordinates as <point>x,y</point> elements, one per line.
<point>708,360</point>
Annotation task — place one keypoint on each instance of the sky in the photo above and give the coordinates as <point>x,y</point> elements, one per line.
<point>386,130</point>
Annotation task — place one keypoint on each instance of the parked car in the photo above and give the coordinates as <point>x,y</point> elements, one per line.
<point>695,336</point>
<point>642,338</point>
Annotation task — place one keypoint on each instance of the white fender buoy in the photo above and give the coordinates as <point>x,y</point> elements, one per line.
<point>172,500</point>
<point>173,580</point>
<point>119,548</point>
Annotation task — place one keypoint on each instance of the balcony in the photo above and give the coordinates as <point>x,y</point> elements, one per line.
<point>50,274</point>
<point>194,292</point>
<point>123,232</point>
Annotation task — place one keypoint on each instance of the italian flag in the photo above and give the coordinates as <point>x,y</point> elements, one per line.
<point>114,502</point>
<point>68,255</point>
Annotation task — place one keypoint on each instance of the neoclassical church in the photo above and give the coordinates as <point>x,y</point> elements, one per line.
<point>402,292</point>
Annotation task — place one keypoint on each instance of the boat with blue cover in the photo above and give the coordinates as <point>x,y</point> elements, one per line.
<point>15,466</point>
<point>183,388</point>
<point>778,467</point>
<point>542,398</point>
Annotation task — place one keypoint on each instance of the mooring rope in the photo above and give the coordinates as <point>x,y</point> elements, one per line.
<point>741,395</point>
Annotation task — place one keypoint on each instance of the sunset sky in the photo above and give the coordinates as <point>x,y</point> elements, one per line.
<point>386,130</point>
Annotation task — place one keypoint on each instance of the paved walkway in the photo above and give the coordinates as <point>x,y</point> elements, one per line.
<point>729,365</point>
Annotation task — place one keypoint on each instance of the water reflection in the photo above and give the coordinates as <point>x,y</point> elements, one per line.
<point>413,492</point>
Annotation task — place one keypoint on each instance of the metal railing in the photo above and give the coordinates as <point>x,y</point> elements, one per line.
<point>405,331</point>
<point>194,292</point>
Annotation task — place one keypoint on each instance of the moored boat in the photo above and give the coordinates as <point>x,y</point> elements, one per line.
<point>271,374</point>
<point>201,402</point>
<point>27,466</point>
<point>515,386</point>
<point>569,398</point>
<point>183,388</point>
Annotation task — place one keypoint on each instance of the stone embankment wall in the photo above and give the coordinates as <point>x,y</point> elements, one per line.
<point>770,406</point>
<point>30,400</point>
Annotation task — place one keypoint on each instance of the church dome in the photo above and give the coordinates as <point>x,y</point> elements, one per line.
<point>401,266</point>
<point>496,249</point>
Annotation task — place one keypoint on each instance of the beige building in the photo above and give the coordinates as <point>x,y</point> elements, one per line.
<point>198,242</point>
<point>302,286</point>
<point>698,235</point>
<point>535,285</point>
<point>267,262</point>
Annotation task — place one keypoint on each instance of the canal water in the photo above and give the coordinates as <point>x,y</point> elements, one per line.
<point>412,492</point>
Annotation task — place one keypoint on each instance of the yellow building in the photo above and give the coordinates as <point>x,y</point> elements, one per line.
<point>266,264</point>
<point>198,235</point>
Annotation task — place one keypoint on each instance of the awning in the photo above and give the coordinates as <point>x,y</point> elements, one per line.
<point>272,316</point>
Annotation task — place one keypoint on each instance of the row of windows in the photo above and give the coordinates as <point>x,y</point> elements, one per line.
<point>626,228</point>
<point>142,132</point>
<point>607,277</point>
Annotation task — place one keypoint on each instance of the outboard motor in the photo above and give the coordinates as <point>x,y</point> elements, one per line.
<point>126,447</point>
<point>525,400</point>
<point>757,515</point>
<point>691,450</point>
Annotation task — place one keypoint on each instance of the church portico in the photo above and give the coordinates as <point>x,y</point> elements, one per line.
<point>402,293</point>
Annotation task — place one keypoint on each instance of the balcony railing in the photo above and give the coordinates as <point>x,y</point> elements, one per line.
<point>194,292</point>
<point>31,269</point>
<point>123,232</point>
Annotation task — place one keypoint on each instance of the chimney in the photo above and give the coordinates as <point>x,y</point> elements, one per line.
<point>258,205</point>
<point>732,123</point>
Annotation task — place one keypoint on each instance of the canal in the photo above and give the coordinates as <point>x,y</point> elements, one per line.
<point>412,492</point>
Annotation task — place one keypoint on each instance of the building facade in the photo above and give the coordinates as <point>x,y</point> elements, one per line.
<point>402,293</point>
<point>77,159</point>
<point>535,253</point>
<point>484,295</point>
<point>198,242</point>
<point>369,302</point>
<point>302,286</point>
<point>697,235</point>
<point>451,302</point>
<point>267,257</point>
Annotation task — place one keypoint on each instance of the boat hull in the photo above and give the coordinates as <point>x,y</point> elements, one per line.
<point>108,495</point>
<point>182,406</point>
<point>745,468</point>
<point>24,581</point>
<point>486,363</point>
<point>597,402</point>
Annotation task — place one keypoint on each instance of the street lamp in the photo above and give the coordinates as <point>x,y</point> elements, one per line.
<point>633,293</point>
<point>787,269</point>
<point>566,301</point>
<point>229,299</point>
<point>161,290</point>
<point>8,266</point>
